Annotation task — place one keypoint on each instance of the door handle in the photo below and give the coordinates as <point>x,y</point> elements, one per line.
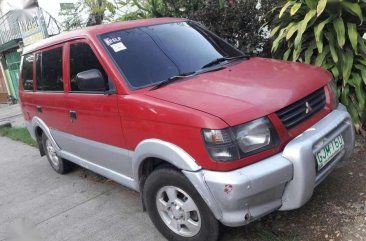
<point>73,115</point>
<point>39,109</point>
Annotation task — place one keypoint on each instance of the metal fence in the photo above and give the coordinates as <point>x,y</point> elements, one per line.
<point>15,22</point>
<point>9,27</point>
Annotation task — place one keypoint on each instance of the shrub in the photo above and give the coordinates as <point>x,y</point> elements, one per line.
<point>328,34</point>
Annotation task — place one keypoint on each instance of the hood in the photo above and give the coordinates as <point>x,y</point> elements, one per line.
<point>246,91</point>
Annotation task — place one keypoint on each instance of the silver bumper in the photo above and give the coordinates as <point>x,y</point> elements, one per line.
<point>284,181</point>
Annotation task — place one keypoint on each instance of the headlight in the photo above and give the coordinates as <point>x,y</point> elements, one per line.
<point>220,144</point>
<point>240,141</point>
<point>334,95</point>
<point>253,135</point>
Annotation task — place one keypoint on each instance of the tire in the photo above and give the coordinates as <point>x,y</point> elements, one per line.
<point>176,208</point>
<point>58,164</point>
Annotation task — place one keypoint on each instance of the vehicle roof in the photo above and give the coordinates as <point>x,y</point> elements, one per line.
<point>96,30</point>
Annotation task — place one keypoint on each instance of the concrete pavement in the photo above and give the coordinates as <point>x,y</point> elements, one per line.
<point>36,203</point>
<point>12,114</point>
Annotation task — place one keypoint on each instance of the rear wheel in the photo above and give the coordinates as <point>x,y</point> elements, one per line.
<point>58,164</point>
<point>176,208</point>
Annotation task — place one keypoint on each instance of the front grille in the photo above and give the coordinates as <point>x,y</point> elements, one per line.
<point>302,109</point>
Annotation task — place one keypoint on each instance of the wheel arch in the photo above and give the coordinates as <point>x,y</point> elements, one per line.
<point>39,127</point>
<point>154,152</point>
<point>38,132</point>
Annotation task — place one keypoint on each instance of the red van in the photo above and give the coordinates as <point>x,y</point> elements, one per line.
<point>207,134</point>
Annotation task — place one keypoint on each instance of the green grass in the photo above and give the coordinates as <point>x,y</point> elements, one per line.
<point>18,134</point>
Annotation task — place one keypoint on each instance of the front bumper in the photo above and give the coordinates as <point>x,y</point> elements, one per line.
<point>284,181</point>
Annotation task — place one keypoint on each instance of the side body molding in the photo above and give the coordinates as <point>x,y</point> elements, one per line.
<point>149,148</point>
<point>166,151</point>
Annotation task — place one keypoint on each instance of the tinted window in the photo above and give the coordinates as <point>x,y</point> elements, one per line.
<point>49,70</point>
<point>27,72</point>
<point>82,58</point>
<point>148,55</point>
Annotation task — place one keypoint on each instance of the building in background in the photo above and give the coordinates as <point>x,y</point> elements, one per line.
<point>3,89</point>
<point>24,23</point>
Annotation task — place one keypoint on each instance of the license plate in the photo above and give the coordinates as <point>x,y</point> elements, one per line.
<point>329,151</point>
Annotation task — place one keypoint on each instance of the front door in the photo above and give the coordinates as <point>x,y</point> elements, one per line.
<point>95,116</point>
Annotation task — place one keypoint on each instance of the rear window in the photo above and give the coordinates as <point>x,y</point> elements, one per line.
<point>49,70</point>
<point>27,72</point>
<point>148,55</point>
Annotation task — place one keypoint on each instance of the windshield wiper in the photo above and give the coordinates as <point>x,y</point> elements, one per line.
<point>172,79</point>
<point>223,59</point>
<point>185,75</point>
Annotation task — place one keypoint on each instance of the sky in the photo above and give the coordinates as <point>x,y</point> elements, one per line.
<point>51,6</point>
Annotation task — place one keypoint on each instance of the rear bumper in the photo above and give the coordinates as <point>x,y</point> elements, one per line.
<point>284,181</point>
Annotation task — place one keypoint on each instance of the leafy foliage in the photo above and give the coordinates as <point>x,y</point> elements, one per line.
<point>160,8</point>
<point>98,11</point>
<point>238,21</point>
<point>72,19</point>
<point>326,33</point>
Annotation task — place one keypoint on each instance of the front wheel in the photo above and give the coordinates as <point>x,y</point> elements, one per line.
<point>58,164</point>
<point>176,208</point>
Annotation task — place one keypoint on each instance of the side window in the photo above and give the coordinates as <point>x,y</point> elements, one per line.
<point>49,70</point>
<point>27,72</point>
<point>82,58</point>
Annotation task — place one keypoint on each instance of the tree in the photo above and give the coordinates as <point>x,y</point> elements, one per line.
<point>156,8</point>
<point>98,11</point>
<point>238,21</point>
<point>72,19</point>
<point>328,34</point>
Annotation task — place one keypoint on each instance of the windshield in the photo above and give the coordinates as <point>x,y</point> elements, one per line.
<point>149,55</point>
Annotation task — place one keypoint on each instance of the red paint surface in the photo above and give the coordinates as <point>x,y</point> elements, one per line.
<point>244,91</point>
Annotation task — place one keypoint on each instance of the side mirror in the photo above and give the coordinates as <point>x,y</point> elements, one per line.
<point>90,80</point>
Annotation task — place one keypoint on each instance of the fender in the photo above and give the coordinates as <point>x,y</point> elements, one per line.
<point>179,158</point>
<point>37,122</point>
<point>163,150</point>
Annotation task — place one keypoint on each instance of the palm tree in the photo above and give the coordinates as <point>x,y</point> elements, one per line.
<point>96,14</point>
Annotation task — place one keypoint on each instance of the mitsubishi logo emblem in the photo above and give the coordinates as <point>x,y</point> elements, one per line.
<point>308,108</point>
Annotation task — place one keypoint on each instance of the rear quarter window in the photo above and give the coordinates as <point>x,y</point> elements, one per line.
<point>49,70</point>
<point>27,72</point>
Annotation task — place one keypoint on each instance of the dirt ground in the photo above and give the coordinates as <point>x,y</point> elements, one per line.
<point>337,210</point>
